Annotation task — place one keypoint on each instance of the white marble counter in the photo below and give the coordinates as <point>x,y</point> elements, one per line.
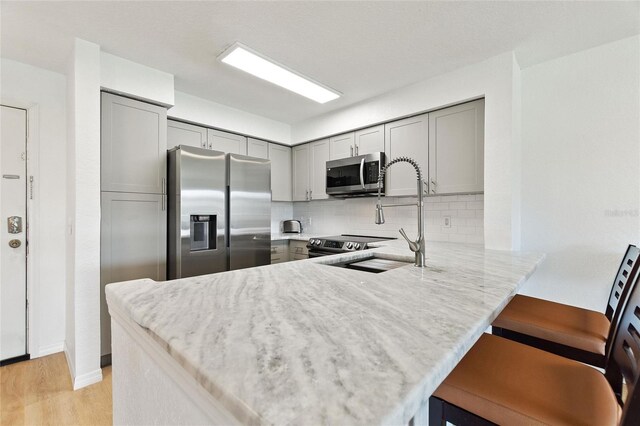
<point>307,343</point>
<point>297,237</point>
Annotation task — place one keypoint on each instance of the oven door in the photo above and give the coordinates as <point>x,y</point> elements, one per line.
<point>354,175</point>
<point>320,253</point>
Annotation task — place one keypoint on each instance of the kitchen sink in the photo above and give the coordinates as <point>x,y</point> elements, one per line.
<point>372,263</point>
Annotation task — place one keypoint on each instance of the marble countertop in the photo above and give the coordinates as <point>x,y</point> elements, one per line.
<point>298,237</point>
<point>307,343</point>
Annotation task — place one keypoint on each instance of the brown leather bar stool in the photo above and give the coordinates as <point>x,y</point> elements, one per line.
<point>572,332</point>
<point>500,381</point>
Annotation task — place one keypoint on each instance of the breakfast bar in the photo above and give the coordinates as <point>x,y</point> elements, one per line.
<point>305,342</point>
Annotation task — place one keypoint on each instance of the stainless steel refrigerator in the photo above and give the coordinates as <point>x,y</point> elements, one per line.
<point>219,212</point>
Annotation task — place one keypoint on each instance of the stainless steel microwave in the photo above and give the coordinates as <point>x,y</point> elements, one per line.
<point>355,176</point>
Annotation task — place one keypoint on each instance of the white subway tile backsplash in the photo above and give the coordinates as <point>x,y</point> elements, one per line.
<point>357,215</point>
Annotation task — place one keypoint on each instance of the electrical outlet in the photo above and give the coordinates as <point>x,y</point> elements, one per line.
<point>446,221</point>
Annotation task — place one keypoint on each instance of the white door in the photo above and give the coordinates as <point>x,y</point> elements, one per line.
<point>13,244</point>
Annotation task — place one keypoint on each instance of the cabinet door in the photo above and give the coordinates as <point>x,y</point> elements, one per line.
<point>408,138</point>
<point>456,149</point>
<point>318,175</point>
<point>133,146</point>
<point>280,157</point>
<point>370,140</point>
<point>133,244</point>
<point>179,133</point>
<point>227,142</point>
<point>341,146</point>
<point>257,148</point>
<point>300,163</point>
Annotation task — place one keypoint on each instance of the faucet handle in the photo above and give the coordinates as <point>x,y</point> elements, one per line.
<point>413,246</point>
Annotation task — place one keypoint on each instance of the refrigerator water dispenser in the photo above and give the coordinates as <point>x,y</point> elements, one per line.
<point>203,232</point>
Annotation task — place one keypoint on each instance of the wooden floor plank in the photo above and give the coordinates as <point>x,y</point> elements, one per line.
<point>39,392</point>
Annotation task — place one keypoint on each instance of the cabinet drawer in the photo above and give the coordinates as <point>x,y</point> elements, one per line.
<point>299,256</point>
<point>298,248</point>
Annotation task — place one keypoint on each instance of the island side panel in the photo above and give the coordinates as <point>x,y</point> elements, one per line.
<point>149,387</point>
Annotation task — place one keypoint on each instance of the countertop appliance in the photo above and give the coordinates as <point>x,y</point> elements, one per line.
<point>355,176</point>
<point>340,244</point>
<point>291,227</point>
<point>219,212</point>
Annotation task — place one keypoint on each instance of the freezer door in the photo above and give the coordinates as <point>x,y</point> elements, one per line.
<point>197,212</point>
<point>249,181</point>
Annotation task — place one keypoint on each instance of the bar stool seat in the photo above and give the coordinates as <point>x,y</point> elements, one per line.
<point>496,382</point>
<point>579,328</point>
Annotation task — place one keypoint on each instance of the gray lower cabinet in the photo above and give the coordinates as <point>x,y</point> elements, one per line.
<point>133,245</point>
<point>179,133</point>
<point>133,146</point>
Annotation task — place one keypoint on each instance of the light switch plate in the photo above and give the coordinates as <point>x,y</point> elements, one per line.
<point>446,221</point>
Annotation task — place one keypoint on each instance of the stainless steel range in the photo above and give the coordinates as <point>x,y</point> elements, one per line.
<point>341,244</point>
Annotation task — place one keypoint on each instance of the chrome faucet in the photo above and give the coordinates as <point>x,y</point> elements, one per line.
<point>416,246</point>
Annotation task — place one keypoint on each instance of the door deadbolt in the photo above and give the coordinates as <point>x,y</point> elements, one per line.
<point>14,224</point>
<point>15,243</point>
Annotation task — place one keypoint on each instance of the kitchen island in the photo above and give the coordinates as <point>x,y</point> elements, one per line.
<point>305,342</point>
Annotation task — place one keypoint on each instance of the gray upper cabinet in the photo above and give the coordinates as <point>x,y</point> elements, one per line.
<point>257,148</point>
<point>319,155</point>
<point>281,180</point>
<point>406,138</point>
<point>133,244</point>
<point>300,162</point>
<point>179,133</point>
<point>361,142</point>
<point>227,142</point>
<point>133,146</point>
<point>369,140</point>
<point>342,146</point>
<point>456,149</point>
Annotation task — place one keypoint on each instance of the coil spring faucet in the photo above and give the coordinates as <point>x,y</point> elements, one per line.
<point>415,246</point>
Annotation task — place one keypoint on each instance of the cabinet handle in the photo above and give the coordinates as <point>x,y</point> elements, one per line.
<point>306,195</point>
<point>310,194</point>
<point>273,250</point>
<point>210,146</point>
<point>356,149</point>
<point>351,151</point>
<point>433,186</point>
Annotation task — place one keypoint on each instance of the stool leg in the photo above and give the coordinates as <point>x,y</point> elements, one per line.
<point>436,412</point>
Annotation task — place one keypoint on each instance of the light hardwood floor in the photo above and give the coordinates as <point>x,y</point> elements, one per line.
<point>39,392</point>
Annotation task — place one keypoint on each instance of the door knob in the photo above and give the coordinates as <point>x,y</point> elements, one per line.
<point>15,243</point>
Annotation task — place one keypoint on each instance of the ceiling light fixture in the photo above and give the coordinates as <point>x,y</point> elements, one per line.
<point>250,61</point>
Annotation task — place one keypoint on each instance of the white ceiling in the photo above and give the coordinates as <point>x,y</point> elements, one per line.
<point>361,49</point>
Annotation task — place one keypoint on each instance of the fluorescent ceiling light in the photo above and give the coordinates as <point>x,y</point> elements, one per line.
<point>250,61</point>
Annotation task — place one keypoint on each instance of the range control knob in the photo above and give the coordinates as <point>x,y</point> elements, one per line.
<point>356,246</point>
<point>349,246</point>
<point>311,241</point>
<point>318,242</point>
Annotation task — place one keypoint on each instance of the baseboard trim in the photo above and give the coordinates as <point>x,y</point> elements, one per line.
<point>50,349</point>
<point>87,379</point>
<point>72,370</point>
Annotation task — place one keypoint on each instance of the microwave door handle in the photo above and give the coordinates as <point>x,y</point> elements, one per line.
<point>362,173</point>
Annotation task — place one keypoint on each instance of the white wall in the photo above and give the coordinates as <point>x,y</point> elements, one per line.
<point>83,244</point>
<point>26,86</point>
<point>581,169</point>
<point>493,79</point>
<point>202,111</point>
<point>129,78</point>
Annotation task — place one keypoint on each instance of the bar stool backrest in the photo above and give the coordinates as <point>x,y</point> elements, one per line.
<point>629,263</point>
<point>625,355</point>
